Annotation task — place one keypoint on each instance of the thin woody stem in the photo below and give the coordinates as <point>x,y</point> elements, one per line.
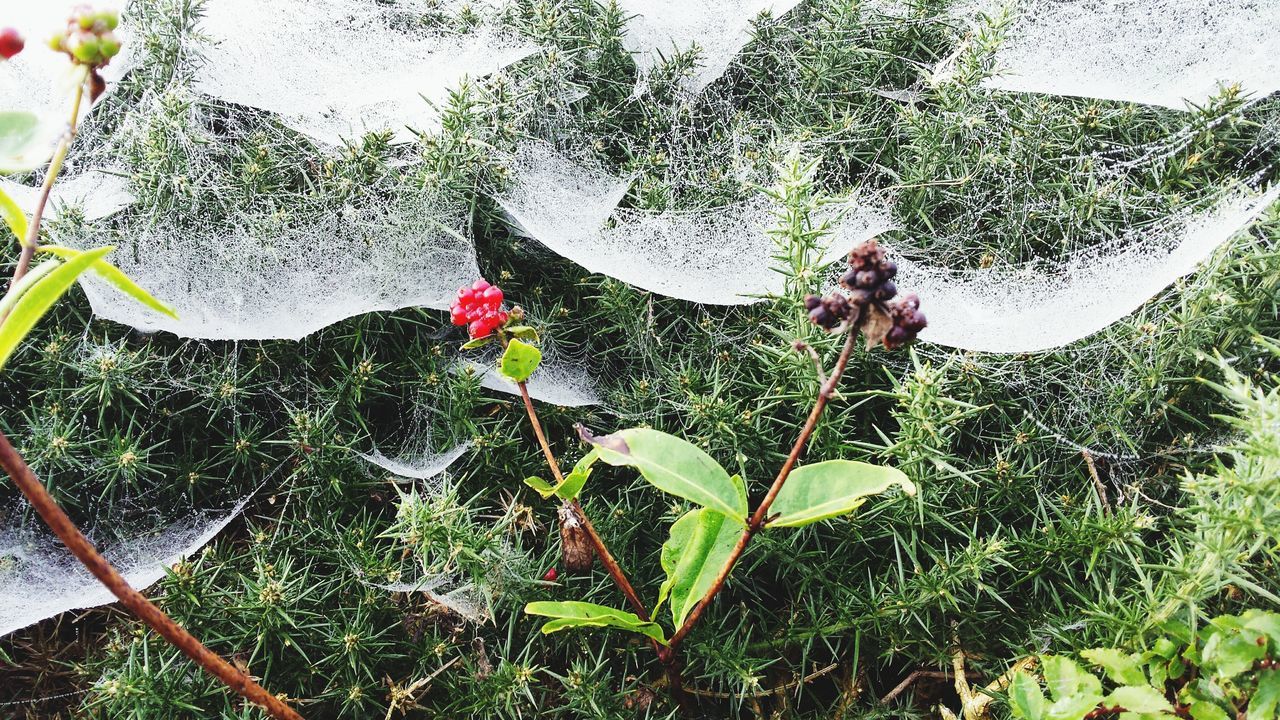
<point>606,558</point>
<point>65,529</point>
<point>665,655</point>
<point>762,512</point>
<point>140,606</point>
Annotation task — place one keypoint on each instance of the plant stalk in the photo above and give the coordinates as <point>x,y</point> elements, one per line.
<point>31,242</point>
<point>665,654</point>
<point>62,525</point>
<point>139,605</point>
<point>757,521</point>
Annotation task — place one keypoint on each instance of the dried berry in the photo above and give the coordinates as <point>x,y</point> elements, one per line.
<point>907,319</point>
<point>479,307</point>
<point>575,547</point>
<point>11,43</point>
<point>829,312</point>
<point>870,275</point>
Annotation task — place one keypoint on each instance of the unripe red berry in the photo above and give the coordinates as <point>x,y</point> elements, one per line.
<point>11,42</point>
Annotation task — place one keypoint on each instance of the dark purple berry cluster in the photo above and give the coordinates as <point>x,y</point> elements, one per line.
<point>871,300</point>
<point>908,321</point>
<point>870,275</point>
<point>829,312</point>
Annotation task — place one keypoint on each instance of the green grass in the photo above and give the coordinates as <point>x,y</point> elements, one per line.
<point>1008,548</point>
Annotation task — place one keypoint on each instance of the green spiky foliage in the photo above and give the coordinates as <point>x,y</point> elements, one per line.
<point>1017,542</point>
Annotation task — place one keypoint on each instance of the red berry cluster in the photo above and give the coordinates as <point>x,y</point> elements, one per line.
<point>479,307</point>
<point>11,43</point>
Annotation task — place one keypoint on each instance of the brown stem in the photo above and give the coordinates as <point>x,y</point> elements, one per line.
<point>606,558</point>
<point>153,616</point>
<point>762,512</point>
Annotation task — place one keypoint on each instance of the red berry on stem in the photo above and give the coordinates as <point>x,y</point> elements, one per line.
<point>11,42</point>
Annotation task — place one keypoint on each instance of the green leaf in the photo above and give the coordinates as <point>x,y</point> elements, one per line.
<point>1139,699</point>
<point>830,489</point>
<point>26,142</point>
<point>573,613</point>
<point>36,300</point>
<point>1265,703</point>
<point>1122,668</point>
<point>572,484</point>
<point>478,342</point>
<point>13,217</point>
<point>675,466</point>
<point>1231,652</point>
<point>544,488</point>
<point>1026,699</point>
<point>28,281</point>
<point>524,332</point>
<point>519,360</point>
<point>116,277</point>
<point>1074,690</point>
<point>701,542</point>
<point>1205,710</point>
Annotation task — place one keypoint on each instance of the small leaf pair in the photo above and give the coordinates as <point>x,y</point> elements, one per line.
<point>572,484</point>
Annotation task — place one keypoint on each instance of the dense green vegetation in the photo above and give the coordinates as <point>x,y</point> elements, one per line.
<point>1018,542</point>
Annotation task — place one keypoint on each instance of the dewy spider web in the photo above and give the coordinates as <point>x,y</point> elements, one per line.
<point>281,273</point>
<point>95,194</point>
<point>336,69</point>
<point>1159,52</point>
<point>39,578</point>
<point>656,29</point>
<point>1040,307</point>
<point>719,256</point>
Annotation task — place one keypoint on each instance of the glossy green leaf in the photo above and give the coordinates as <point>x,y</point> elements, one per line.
<point>26,142</point>
<point>573,613</point>
<point>675,466</point>
<point>1121,667</point>
<point>478,342</point>
<point>1138,699</point>
<point>519,360</point>
<point>28,281</point>
<point>573,482</point>
<point>1026,699</point>
<point>1265,703</point>
<point>701,542</point>
<point>1232,652</point>
<point>544,488</point>
<point>116,277</point>
<point>13,217</point>
<point>40,297</point>
<point>1074,690</point>
<point>1205,710</point>
<point>524,332</point>
<point>830,489</point>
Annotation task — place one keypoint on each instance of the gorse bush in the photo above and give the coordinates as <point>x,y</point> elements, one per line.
<point>1117,491</point>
